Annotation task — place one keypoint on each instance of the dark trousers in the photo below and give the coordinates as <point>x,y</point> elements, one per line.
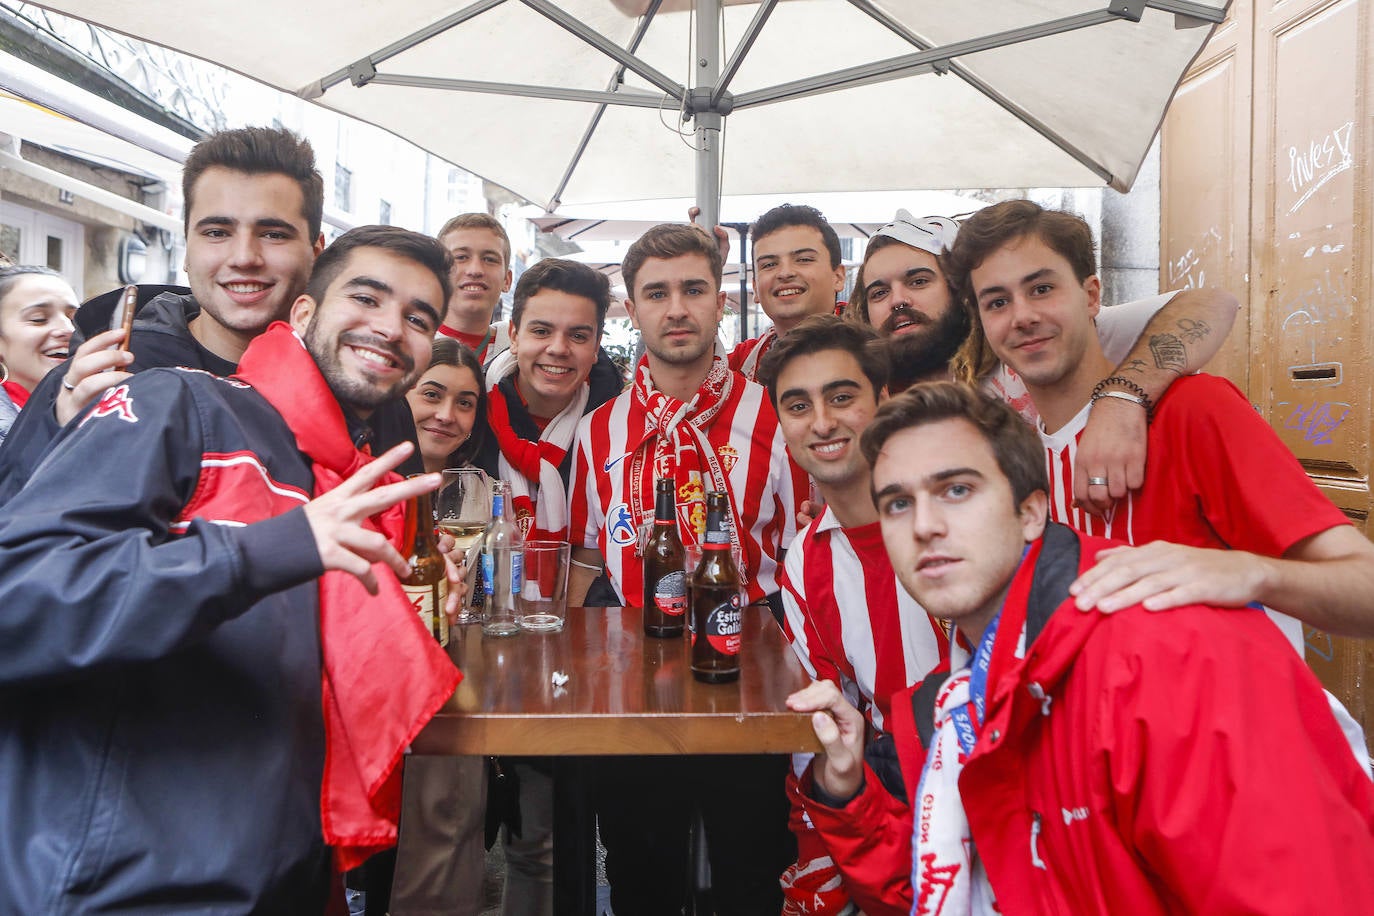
<point>644,811</point>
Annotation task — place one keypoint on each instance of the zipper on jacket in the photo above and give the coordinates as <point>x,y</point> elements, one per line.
<point>1035,841</point>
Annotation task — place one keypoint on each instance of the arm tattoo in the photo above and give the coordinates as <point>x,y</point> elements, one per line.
<point>1169,352</point>
<point>1136,365</point>
<point>1193,331</point>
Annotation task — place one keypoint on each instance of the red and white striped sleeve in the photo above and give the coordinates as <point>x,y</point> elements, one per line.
<point>584,509</point>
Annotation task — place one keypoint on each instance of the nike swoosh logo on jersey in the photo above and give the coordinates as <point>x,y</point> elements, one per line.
<point>606,468</point>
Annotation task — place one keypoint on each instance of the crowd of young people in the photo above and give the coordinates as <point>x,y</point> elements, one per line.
<point>1005,727</point>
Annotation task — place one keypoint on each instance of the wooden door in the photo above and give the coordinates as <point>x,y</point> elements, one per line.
<point>1205,182</point>
<point>1268,141</point>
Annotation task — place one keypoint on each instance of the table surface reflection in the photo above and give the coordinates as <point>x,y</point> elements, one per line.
<point>626,693</point>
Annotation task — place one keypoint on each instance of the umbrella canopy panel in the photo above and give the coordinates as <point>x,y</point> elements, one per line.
<point>1073,108</point>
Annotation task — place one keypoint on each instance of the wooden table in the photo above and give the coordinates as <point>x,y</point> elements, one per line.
<point>626,693</point>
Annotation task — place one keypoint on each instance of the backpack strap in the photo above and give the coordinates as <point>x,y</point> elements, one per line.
<point>1055,571</point>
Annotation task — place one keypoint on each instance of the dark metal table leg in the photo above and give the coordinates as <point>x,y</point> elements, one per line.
<point>574,838</point>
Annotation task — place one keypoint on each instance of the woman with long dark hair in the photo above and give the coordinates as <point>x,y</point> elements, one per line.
<point>447,403</point>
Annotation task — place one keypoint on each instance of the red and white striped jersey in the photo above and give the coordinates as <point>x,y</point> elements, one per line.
<point>1217,476</point>
<point>1061,451</point>
<point>496,341</point>
<point>765,485</point>
<point>744,359</point>
<point>850,621</point>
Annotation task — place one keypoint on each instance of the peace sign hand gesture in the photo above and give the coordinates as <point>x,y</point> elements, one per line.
<point>336,518</point>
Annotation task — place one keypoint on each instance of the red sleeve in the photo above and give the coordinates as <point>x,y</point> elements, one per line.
<point>1228,774</point>
<point>1252,491</point>
<point>870,837</point>
<point>870,841</point>
<point>799,624</point>
<point>796,489</point>
<point>582,532</point>
<point>740,353</point>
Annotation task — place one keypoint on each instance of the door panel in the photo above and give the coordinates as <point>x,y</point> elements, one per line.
<point>1266,191</point>
<point>1205,181</point>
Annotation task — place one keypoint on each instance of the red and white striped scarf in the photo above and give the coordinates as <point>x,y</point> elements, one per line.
<point>531,468</point>
<point>675,445</point>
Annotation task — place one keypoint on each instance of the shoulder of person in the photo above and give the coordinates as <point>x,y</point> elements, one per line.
<point>1199,392</point>
<point>604,381</point>
<point>96,314</point>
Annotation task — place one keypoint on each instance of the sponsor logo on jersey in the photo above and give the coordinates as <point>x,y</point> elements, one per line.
<point>117,403</point>
<point>728,456</point>
<point>620,526</point>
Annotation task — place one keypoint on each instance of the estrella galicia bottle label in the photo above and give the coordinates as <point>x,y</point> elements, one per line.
<point>723,626</point>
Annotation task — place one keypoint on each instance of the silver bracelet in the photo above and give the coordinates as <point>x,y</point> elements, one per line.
<point>1124,396</point>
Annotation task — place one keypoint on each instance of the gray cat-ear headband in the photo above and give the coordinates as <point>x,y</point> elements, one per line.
<point>934,234</point>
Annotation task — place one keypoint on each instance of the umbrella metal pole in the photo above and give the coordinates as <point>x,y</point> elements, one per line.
<point>744,282</point>
<point>705,75</point>
<point>744,304</point>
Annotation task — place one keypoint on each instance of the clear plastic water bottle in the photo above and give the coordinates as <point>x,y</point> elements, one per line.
<point>503,566</point>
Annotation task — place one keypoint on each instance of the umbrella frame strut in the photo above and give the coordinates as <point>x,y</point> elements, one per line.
<point>708,100</point>
<point>616,79</point>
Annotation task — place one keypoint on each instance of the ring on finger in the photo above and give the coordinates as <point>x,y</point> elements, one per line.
<point>1097,481</point>
<point>67,384</point>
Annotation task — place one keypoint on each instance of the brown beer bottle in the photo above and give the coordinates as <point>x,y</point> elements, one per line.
<point>716,600</point>
<point>665,579</point>
<point>425,585</point>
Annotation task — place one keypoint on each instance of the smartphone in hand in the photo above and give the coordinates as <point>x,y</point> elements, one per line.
<point>124,314</point>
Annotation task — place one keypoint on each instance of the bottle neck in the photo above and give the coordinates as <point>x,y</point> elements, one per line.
<point>423,519</point>
<point>717,530</point>
<point>663,507</point>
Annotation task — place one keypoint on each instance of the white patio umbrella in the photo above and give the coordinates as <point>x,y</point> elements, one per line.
<point>579,101</point>
<point>854,214</point>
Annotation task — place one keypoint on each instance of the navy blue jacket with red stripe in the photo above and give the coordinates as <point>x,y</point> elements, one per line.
<point>161,337</point>
<point>161,739</point>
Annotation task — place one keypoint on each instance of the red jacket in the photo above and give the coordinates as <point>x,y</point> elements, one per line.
<point>1133,763</point>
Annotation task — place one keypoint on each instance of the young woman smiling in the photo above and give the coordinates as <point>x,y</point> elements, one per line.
<point>446,402</point>
<point>36,308</point>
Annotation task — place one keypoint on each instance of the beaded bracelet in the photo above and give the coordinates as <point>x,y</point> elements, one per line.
<point>1140,397</point>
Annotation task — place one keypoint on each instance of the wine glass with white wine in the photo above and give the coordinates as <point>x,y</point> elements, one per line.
<point>462,508</point>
